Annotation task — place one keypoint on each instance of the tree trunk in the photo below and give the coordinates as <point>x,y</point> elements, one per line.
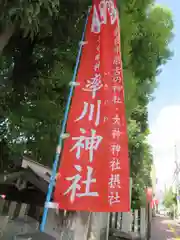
<point>5,37</point>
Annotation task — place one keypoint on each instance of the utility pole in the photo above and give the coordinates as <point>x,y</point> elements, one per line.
<point>176,173</point>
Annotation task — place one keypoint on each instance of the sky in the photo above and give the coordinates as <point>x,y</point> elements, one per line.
<point>164,111</point>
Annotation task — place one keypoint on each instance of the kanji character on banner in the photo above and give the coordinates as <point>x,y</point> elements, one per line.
<point>93,84</point>
<point>116,120</point>
<point>117,99</point>
<point>114,181</point>
<point>114,198</point>
<point>77,186</point>
<point>115,164</point>
<point>115,149</point>
<point>87,143</point>
<point>91,112</point>
<point>116,133</point>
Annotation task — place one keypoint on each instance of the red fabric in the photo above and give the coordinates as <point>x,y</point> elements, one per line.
<point>149,194</point>
<point>154,203</point>
<point>100,67</point>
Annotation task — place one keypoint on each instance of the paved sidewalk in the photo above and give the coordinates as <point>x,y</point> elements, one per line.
<point>164,228</point>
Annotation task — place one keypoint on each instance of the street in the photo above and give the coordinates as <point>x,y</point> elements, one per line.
<point>164,228</point>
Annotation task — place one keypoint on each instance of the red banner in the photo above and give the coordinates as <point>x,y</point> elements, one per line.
<point>149,194</point>
<point>94,170</point>
<point>154,203</point>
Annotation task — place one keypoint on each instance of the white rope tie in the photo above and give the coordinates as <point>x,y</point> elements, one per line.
<point>74,84</point>
<point>65,135</point>
<point>52,205</point>
<point>82,43</point>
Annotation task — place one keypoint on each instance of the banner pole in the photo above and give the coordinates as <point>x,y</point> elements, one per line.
<point>60,140</point>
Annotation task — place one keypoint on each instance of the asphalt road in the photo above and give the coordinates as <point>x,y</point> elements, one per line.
<point>164,228</point>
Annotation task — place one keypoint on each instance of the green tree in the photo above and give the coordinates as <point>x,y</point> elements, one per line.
<point>169,198</point>
<point>144,49</point>
<point>28,17</point>
<point>35,72</point>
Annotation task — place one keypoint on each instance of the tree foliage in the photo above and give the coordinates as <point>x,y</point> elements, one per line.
<point>169,198</point>
<point>38,46</point>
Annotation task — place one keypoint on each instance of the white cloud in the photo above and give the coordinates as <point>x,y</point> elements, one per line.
<point>165,133</point>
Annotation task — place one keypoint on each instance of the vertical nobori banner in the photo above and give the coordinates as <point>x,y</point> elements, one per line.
<point>94,170</point>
